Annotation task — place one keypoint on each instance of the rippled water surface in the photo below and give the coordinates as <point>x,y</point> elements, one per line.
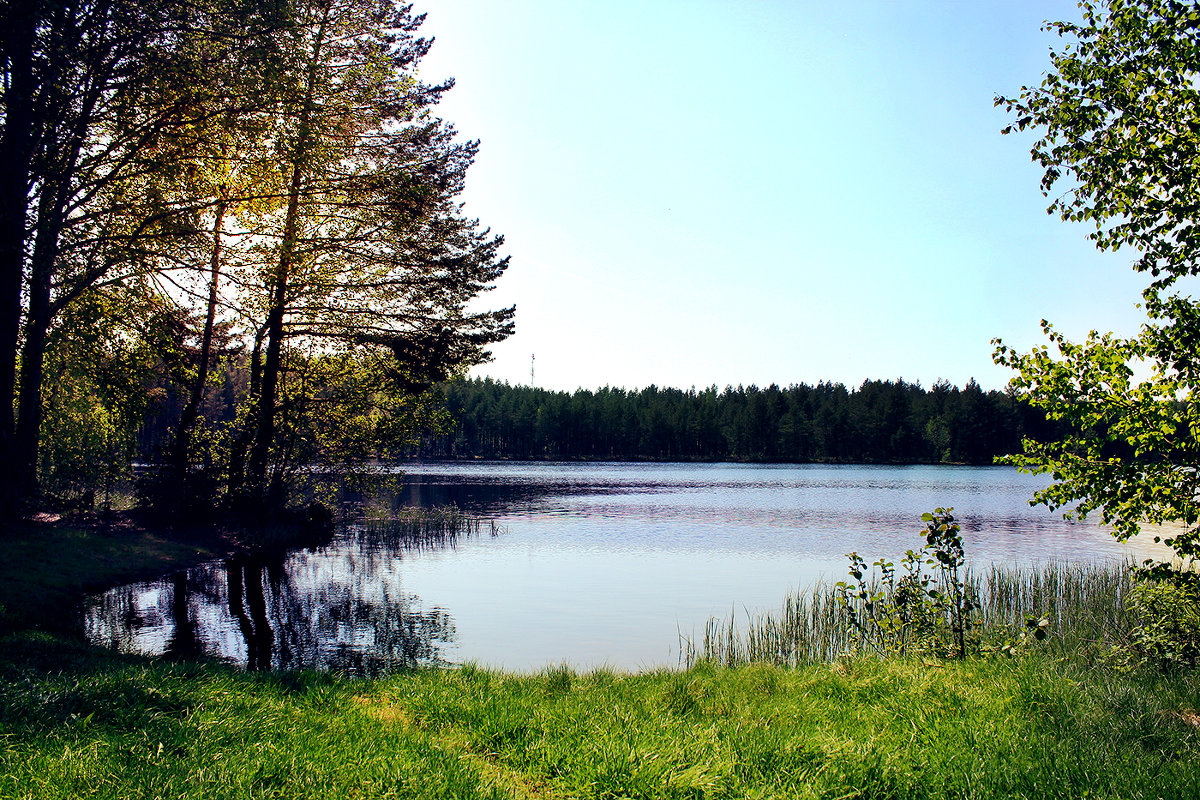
<point>589,564</point>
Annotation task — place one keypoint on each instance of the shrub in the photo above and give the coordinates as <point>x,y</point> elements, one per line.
<point>919,609</point>
<point>1168,615</point>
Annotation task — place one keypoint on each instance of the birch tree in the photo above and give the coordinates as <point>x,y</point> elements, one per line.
<point>1117,119</point>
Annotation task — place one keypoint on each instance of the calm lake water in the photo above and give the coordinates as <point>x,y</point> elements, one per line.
<point>588,565</point>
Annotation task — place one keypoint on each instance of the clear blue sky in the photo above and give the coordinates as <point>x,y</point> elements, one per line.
<point>698,193</point>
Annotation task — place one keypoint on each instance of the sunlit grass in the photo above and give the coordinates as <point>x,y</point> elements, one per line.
<point>76,723</point>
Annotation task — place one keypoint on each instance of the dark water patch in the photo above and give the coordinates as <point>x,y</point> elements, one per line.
<point>339,607</point>
<point>488,495</point>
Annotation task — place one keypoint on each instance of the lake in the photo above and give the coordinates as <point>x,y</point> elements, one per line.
<point>583,564</point>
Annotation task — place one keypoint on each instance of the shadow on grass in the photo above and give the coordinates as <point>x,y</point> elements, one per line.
<point>50,682</point>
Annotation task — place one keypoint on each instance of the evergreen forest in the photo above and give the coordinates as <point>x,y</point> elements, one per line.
<point>881,421</point>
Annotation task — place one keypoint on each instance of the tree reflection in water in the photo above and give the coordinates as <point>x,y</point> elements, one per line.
<point>338,607</point>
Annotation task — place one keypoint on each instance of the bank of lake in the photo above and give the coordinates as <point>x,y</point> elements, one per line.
<point>78,721</point>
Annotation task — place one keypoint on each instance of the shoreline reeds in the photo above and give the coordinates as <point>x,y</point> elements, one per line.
<point>1084,603</point>
<point>415,528</point>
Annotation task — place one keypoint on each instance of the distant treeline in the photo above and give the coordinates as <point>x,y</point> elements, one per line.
<point>879,422</point>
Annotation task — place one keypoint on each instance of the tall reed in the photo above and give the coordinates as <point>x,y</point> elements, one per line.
<point>420,528</point>
<point>1085,603</point>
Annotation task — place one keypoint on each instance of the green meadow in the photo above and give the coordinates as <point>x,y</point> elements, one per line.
<point>78,723</point>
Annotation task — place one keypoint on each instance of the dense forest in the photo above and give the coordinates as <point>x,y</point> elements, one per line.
<point>880,422</point>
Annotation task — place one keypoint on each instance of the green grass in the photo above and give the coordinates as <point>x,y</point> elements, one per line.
<point>78,723</point>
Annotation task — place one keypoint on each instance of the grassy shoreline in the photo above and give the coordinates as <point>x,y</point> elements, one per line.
<point>78,721</point>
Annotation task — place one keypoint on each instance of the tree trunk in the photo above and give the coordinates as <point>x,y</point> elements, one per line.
<point>241,445</point>
<point>191,412</point>
<point>33,353</point>
<point>256,471</point>
<point>16,144</point>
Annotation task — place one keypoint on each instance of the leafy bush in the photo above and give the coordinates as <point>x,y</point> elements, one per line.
<point>1168,613</point>
<point>925,608</point>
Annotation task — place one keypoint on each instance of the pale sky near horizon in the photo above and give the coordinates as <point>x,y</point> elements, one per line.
<point>698,193</point>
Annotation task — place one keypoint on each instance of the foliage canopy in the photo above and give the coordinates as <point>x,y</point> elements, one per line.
<point>1118,123</point>
<point>235,198</point>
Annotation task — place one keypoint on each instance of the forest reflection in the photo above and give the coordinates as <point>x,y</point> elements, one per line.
<point>340,607</point>
<point>477,496</point>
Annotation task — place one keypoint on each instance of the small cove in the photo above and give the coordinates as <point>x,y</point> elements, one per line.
<point>587,564</point>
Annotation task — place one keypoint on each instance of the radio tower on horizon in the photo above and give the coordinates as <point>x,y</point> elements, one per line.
<point>532,358</point>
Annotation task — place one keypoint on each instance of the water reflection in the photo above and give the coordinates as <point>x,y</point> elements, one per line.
<point>491,494</point>
<point>600,564</point>
<point>338,607</point>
